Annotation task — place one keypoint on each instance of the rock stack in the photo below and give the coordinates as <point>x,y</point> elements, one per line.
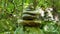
<point>30,18</point>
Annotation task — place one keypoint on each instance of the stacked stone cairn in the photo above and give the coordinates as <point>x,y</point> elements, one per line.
<point>30,18</point>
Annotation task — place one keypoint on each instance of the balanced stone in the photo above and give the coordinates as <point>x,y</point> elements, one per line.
<point>31,12</point>
<point>28,17</point>
<point>30,22</point>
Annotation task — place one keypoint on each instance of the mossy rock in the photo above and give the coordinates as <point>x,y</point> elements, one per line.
<point>28,30</point>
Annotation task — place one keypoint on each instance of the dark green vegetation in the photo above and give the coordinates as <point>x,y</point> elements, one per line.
<point>12,14</point>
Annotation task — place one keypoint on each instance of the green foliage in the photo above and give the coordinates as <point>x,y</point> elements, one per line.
<point>7,11</point>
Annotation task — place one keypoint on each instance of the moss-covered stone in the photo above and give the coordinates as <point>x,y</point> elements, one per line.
<point>28,30</point>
